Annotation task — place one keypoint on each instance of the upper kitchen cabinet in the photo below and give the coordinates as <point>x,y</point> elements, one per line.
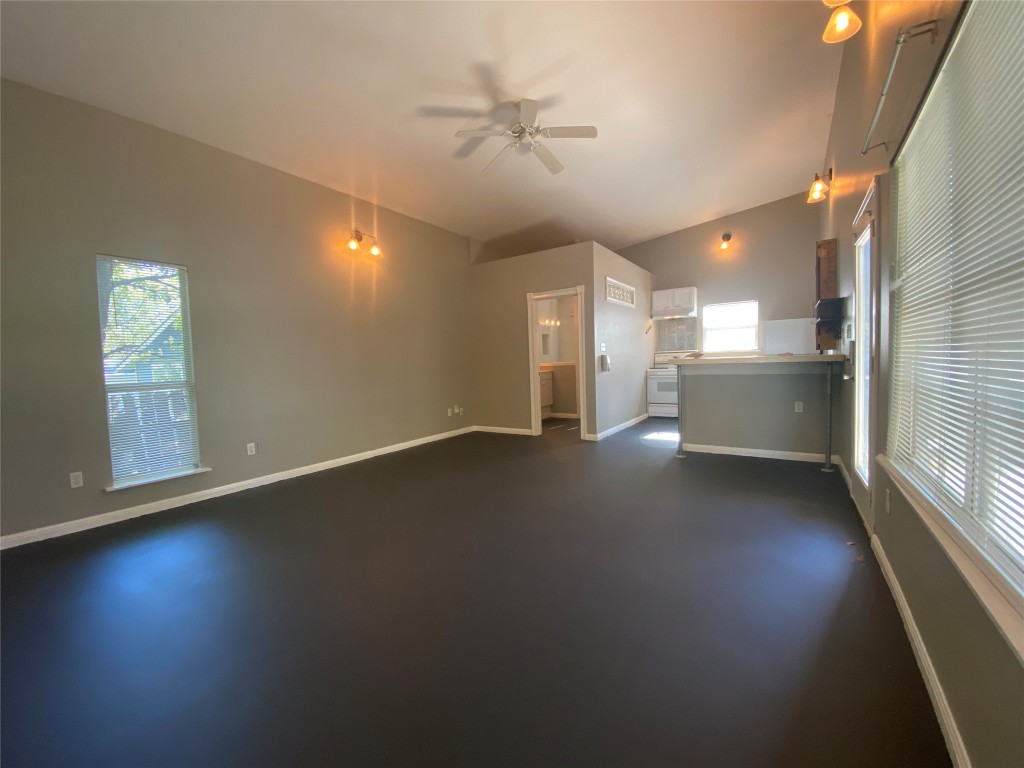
<point>674,302</point>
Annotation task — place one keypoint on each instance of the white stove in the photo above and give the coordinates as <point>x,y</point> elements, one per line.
<point>662,386</point>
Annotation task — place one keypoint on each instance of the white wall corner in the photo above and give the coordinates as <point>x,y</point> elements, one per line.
<point>620,427</point>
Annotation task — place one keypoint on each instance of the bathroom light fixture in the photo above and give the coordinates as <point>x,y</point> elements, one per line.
<point>725,240</point>
<point>819,189</point>
<point>357,238</point>
<point>843,25</point>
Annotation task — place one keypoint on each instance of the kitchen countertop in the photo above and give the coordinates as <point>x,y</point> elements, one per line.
<point>708,360</point>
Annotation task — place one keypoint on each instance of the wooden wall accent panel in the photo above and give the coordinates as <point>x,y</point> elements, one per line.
<point>826,270</point>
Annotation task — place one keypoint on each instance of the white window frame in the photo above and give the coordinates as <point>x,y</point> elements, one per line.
<point>187,383</point>
<point>955,509</point>
<point>864,335</point>
<point>725,352</point>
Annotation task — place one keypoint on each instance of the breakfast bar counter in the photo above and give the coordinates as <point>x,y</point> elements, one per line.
<point>758,364</point>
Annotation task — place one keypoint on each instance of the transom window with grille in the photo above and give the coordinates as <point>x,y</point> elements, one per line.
<point>956,424</point>
<point>730,327</point>
<point>147,368</point>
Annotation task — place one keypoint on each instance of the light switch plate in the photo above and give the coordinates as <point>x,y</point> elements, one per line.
<point>250,449</point>
<point>76,479</point>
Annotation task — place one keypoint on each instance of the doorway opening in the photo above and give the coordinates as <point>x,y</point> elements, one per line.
<point>558,395</point>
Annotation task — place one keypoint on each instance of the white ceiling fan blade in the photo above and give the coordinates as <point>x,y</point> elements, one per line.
<point>470,134</point>
<point>570,132</point>
<point>500,158</point>
<point>550,161</point>
<point>528,112</point>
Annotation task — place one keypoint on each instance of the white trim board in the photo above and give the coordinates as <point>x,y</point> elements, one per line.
<point>554,415</point>
<point>760,453</point>
<point>838,461</point>
<point>504,430</point>
<point>620,427</point>
<point>950,732</point>
<point>118,515</point>
<point>1002,607</point>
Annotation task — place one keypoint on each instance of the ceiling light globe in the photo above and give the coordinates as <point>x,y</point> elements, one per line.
<point>374,250</point>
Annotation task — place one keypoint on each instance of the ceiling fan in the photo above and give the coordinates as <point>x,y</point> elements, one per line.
<point>525,131</point>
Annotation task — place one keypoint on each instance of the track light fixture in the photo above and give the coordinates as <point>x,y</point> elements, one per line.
<point>725,240</point>
<point>819,189</point>
<point>357,238</point>
<point>843,24</point>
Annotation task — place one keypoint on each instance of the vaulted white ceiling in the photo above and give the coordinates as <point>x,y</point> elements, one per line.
<point>703,108</point>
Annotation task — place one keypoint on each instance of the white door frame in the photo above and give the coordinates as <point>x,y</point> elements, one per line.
<point>581,380</point>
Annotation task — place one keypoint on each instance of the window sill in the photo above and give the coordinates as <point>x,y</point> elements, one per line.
<point>134,483</point>
<point>999,598</point>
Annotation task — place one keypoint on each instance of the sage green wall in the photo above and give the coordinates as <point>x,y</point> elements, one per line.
<point>298,346</point>
<point>628,338</point>
<point>499,328</point>
<point>770,258</point>
<point>982,678</point>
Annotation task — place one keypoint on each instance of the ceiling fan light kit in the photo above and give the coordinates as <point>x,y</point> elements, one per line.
<point>526,131</point>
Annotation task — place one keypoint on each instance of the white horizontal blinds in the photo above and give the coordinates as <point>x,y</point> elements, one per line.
<point>147,366</point>
<point>957,408</point>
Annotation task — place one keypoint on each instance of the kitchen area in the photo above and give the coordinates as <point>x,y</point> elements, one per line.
<point>702,354</point>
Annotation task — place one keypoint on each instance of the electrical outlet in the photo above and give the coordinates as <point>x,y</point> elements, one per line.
<point>462,411</point>
<point>250,449</point>
<point>798,406</point>
<point>76,479</point>
<point>449,411</point>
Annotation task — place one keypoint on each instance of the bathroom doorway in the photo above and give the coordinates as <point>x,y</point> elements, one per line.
<point>557,385</point>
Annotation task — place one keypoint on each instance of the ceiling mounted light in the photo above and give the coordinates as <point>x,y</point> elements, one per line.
<point>834,3</point>
<point>353,242</point>
<point>725,240</point>
<point>843,25</point>
<point>375,250</point>
<point>819,189</point>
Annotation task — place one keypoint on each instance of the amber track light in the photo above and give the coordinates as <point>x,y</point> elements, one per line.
<point>357,238</point>
<point>843,25</point>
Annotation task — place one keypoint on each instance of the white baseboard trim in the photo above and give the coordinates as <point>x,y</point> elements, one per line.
<point>760,453</point>
<point>118,515</point>
<point>504,430</point>
<point>590,437</point>
<point>838,461</point>
<point>620,427</point>
<point>954,741</point>
<point>563,415</point>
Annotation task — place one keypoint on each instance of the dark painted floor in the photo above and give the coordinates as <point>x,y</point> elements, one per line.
<point>486,601</point>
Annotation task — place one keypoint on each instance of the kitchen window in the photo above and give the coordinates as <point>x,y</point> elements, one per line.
<point>147,370</point>
<point>730,327</point>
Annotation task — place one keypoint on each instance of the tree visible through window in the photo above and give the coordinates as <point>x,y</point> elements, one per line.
<point>147,369</point>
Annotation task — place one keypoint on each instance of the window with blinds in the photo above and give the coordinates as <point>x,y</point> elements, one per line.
<point>147,368</point>
<point>956,425</point>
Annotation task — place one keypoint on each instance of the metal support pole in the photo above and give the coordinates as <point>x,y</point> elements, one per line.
<point>828,419</point>
<point>680,390</point>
